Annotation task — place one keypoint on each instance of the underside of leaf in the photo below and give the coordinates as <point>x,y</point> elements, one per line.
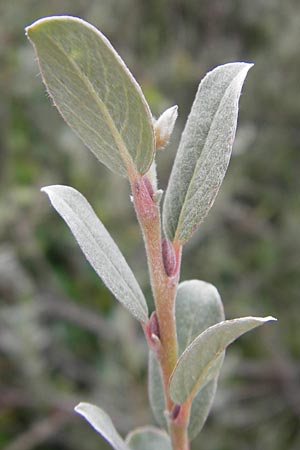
<point>99,248</point>
<point>102,423</point>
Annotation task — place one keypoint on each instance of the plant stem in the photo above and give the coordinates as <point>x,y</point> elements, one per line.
<point>164,290</point>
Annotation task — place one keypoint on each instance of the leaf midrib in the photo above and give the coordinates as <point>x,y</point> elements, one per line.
<point>197,383</point>
<point>125,155</point>
<point>88,229</point>
<point>181,219</point>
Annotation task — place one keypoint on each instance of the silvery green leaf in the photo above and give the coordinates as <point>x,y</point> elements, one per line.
<point>197,306</point>
<point>156,391</point>
<point>99,248</point>
<point>194,366</point>
<point>148,438</point>
<point>102,423</point>
<point>94,92</point>
<point>204,151</point>
<point>201,407</point>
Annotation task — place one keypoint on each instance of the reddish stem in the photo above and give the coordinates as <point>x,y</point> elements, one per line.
<point>164,290</point>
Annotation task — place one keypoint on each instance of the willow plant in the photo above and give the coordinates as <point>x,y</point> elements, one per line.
<point>187,333</point>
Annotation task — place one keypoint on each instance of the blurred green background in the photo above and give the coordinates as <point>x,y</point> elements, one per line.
<point>63,338</point>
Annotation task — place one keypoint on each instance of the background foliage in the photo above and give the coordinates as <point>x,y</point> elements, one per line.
<point>62,336</point>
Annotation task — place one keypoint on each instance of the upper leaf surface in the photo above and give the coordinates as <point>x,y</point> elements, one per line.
<point>102,423</point>
<point>204,151</point>
<point>148,438</point>
<point>156,391</point>
<point>198,306</point>
<point>194,367</point>
<point>99,248</point>
<point>201,407</point>
<point>95,92</point>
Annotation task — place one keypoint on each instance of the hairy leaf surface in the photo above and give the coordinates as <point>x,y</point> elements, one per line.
<point>196,366</point>
<point>94,92</point>
<point>156,391</point>
<point>148,438</point>
<point>204,151</point>
<point>99,248</point>
<point>102,423</point>
<point>198,306</point>
<point>201,406</point>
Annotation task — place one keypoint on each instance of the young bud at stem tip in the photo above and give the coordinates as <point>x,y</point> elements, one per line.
<point>163,127</point>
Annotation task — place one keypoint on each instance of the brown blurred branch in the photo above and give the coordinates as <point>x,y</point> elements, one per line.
<point>39,432</point>
<point>17,397</point>
<point>52,306</point>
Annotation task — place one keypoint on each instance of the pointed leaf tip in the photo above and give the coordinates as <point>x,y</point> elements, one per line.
<point>102,423</point>
<point>197,364</point>
<point>95,92</point>
<point>204,151</point>
<point>99,248</point>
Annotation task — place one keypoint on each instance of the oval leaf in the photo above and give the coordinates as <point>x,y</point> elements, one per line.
<point>99,248</point>
<point>201,407</point>
<point>156,391</point>
<point>196,365</point>
<point>204,151</point>
<point>148,438</point>
<point>94,92</point>
<point>102,423</point>
<point>197,306</point>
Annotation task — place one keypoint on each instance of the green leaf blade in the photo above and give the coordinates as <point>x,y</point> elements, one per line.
<point>95,92</point>
<point>201,407</point>
<point>99,248</point>
<point>156,391</point>
<point>196,366</point>
<point>102,423</point>
<point>148,438</point>
<point>204,151</point>
<point>198,306</point>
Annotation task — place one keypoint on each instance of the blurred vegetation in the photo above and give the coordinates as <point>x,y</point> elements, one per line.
<point>63,338</point>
